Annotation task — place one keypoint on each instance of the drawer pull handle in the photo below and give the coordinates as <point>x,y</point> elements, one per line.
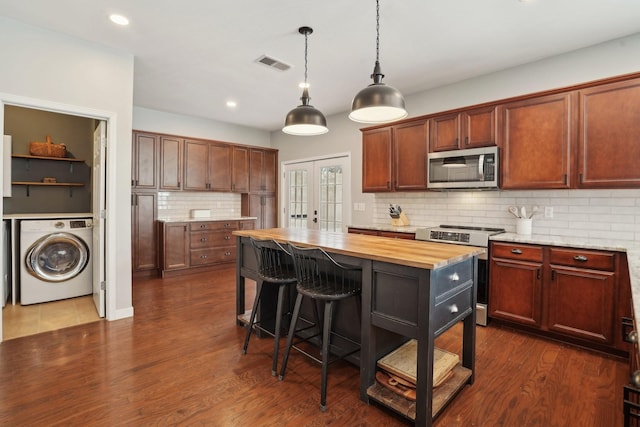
<point>227,237</point>
<point>203,256</point>
<point>204,239</point>
<point>203,225</point>
<point>516,251</point>
<point>227,225</point>
<point>580,258</point>
<point>454,277</point>
<point>453,309</point>
<point>227,253</point>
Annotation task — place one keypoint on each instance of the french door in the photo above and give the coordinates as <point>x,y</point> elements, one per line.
<point>317,193</point>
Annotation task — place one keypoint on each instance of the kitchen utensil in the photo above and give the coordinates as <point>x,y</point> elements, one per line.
<point>394,211</point>
<point>514,211</point>
<point>523,212</point>
<point>534,211</point>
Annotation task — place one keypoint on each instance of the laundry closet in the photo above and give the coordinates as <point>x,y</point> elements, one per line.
<point>48,228</point>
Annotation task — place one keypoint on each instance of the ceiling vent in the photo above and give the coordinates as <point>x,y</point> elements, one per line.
<point>273,63</point>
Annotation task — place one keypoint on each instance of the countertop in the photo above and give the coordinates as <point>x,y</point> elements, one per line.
<point>395,229</point>
<point>47,215</point>
<point>212,218</point>
<point>412,253</point>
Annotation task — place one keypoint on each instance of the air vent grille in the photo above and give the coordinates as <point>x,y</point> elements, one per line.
<point>273,63</point>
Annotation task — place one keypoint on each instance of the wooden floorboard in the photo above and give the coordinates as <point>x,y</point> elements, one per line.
<point>179,362</point>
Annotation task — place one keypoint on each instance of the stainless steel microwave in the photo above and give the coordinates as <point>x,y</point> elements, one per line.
<point>474,168</point>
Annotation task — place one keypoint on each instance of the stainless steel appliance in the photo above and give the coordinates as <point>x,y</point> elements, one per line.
<point>474,168</point>
<point>470,236</point>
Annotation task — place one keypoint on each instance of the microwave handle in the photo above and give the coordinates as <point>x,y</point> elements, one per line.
<point>481,166</point>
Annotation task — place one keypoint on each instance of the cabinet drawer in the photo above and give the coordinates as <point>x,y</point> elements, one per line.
<point>211,256</point>
<point>210,239</point>
<point>452,310</point>
<point>519,252</point>
<point>595,260</point>
<point>448,279</point>
<point>213,225</point>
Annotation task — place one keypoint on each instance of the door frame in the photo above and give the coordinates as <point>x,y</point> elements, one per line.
<point>110,117</point>
<point>283,196</point>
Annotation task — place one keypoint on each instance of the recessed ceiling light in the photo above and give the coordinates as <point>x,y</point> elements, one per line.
<point>119,19</point>
<point>232,104</point>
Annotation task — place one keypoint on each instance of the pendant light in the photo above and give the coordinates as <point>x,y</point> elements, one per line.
<point>377,103</point>
<point>305,119</point>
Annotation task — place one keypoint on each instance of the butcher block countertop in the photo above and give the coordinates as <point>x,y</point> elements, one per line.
<point>412,253</point>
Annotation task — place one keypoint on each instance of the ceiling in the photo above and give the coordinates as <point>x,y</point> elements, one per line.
<point>192,56</point>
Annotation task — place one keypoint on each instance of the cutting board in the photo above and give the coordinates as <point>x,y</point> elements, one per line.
<point>403,362</point>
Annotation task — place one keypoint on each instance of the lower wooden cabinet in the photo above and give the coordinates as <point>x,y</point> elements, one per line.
<point>565,292</point>
<point>193,246</point>
<point>144,234</point>
<point>262,206</point>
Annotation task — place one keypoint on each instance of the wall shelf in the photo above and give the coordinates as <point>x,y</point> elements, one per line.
<point>49,184</point>
<point>64,159</point>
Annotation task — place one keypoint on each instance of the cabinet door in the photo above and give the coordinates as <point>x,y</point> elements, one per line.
<point>515,291</point>
<point>143,227</point>
<point>609,150</point>
<point>219,167</point>
<point>270,171</point>
<point>262,170</point>
<point>581,303</point>
<point>176,246</point>
<point>445,132</point>
<point>376,160</point>
<point>144,161</point>
<point>479,127</point>
<point>196,157</point>
<point>170,163</point>
<point>240,170</point>
<point>263,207</point>
<point>410,148</point>
<point>537,142</point>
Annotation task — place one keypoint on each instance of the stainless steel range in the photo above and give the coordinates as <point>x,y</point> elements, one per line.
<point>470,236</point>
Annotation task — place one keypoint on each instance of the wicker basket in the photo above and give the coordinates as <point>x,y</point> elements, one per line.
<point>47,149</point>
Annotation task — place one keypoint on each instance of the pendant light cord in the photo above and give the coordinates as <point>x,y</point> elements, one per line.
<point>377,30</point>
<point>306,35</point>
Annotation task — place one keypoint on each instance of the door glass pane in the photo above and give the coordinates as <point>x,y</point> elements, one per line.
<point>330,215</point>
<point>298,203</point>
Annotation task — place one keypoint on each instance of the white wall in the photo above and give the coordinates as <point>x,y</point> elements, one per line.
<point>196,127</point>
<point>600,61</point>
<point>58,70</point>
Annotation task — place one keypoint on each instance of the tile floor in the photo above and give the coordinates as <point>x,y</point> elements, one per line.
<point>22,320</point>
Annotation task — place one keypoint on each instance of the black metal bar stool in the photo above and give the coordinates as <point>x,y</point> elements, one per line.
<point>322,279</point>
<point>275,267</point>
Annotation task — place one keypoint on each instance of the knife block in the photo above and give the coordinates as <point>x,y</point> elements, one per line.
<point>400,222</point>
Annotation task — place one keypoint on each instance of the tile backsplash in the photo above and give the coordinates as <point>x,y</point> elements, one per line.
<point>179,204</point>
<point>613,214</point>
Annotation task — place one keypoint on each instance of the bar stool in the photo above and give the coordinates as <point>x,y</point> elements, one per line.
<point>322,279</point>
<point>275,267</point>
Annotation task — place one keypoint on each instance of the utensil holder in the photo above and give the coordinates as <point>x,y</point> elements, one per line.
<point>523,226</point>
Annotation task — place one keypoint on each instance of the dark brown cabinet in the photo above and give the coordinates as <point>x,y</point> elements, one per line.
<point>263,207</point>
<point>219,167</point>
<point>395,158</point>
<point>144,161</point>
<point>609,145</point>
<point>516,284</point>
<point>207,166</point>
<point>170,163</point>
<point>467,129</point>
<point>240,170</point>
<point>143,228</point>
<point>537,142</point>
<point>263,170</point>
<point>566,292</point>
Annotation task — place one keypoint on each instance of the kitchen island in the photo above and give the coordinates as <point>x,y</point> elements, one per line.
<point>410,289</point>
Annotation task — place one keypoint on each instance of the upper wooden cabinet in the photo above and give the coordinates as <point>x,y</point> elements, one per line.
<point>537,142</point>
<point>219,167</point>
<point>467,129</point>
<point>262,170</point>
<point>196,170</point>
<point>395,159</point>
<point>609,141</point>
<point>170,163</point>
<point>144,161</point>
<point>240,170</point>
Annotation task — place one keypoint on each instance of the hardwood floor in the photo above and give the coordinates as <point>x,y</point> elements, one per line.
<point>179,362</point>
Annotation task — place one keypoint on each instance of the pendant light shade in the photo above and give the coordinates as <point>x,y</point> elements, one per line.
<point>305,119</point>
<point>377,103</point>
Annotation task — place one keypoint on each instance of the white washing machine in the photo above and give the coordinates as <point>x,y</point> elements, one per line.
<point>55,259</point>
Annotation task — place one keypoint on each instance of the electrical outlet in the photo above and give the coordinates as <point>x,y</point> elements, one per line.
<point>548,211</point>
